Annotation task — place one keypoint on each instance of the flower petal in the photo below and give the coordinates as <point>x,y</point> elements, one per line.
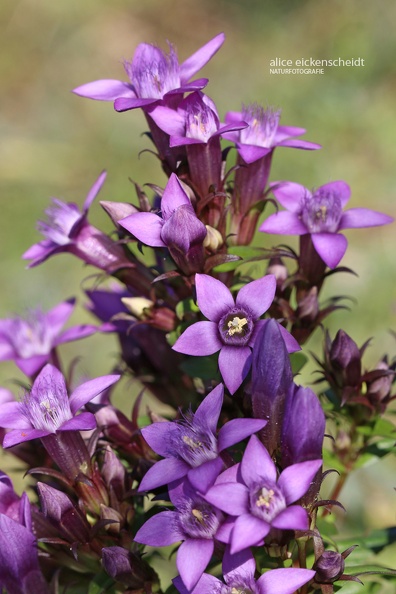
<point>31,365</point>
<point>330,246</point>
<point>296,479</point>
<point>11,416</point>
<point>240,566</point>
<point>355,218</point>
<point>90,389</point>
<point>199,58</point>
<point>105,90</point>
<point>75,333</point>
<point>170,121</point>
<point>257,464</point>
<point>248,531</point>
<point>300,144</point>
<point>173,197</point>
<point>213,297</point>
<point>251,153</point>
<point>85,421</point>
<point>293,517</point>
<point>20,435</point>
<point>200,339</point>
<point>283,581</point>
<point>157,435</point>
<point>94,191</point>
<point>283,223</point>
<point>163,472</point>
<point>192,559</point>
<point>340,188</point>
<point>257,295</point>
<point>234,364</point>
<point>127,103</point>
<point>202,477</point>
<point>209,410</point>
<point>58,316</point>
<point>206,584</point>
<point>146,227</point>
<point>160,531</point>
<point>232,498</point>
<point>236,430</point>
<point>289,194</point>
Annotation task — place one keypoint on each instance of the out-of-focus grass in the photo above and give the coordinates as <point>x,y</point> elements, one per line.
<point>55,144</point>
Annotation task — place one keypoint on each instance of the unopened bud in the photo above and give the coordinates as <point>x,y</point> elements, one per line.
<point>139,307</point>
<point>118,210</point>
<point>279,270</point>
<point>345,357</point>
<point>308,307</point>
<point>380,388</point>
<point>329,567</point>
<point>213,240</point>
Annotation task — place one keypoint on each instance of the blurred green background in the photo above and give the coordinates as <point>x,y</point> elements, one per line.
<point>54,143</point>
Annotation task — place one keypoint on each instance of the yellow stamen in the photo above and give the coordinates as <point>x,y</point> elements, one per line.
<point>236,325</point>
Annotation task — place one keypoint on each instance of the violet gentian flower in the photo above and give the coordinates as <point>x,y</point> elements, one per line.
<point>191,447</point>
<point>47,409</point>
<point>195,522</point>
<point>239,571</point>
<point>179,229</point>
<point>30,341</point>
<point>232,325</point>
<point>320,214</point>
<point>263,133</point>
<point>259,500</point>
<point>68,230</point>
<point>154,75</point>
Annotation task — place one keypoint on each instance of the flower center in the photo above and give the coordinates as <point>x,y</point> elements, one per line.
<point>236,327</point>
<point>263,124</point>
<point>266,502</point>
<point>47,406</point>
<point>152,72</point>
<point>201,120</point>
<point>62,217</point>
<point>198,519</point>
<point>31,336</point>
<point>193,444</point>
<point>321,212</point>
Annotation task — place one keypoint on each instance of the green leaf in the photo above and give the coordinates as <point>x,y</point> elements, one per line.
<point>101,583</point>
<point>298,360</point>
<point>244,252</point>
<point>185,307</point>
<point>202,367</point>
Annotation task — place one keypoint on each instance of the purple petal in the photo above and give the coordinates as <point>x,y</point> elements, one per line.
<point>258,295</point>
<point>183,140</point>
<point>296,479</point>
<point>94,191</point>
<point>160,530</point>
<point>146,227</point>
<point>354,218</point>
<point>193,557</point>
<point>127,103</point>
<point>206,584</point>
<point>158,435</point>
<point>283,223</point>
<point>209,410</point>
<point>20,435</point>
<point>48,376</point>
<point>236,430</point>
<point>170,121</point>
<point>223,534</point>
<point>32,365</point>
<point>291,343</point>
<point>202,477</point>
<point>283,581</point>
<point>330,246</point>
<point>199,58</point>
<point>284,132</point>
<point>230,128</point>
<point>163,472</point>
<point>300,144</point>
<point>75,333</point>
<point>232,498</point>
<point>85,421</point>
<point>234,364</point>
<point>89,390</point>
<point>105,90</point>
<point>39,252</point>
<point>230,475</point>
<point>195,85</point>
<point>240,566</point>
<point>293,517</point>
<point>200,339</point>
<point>11,416</point>
<point>257,464</point>
<point>58,315</point>
<point>340,188</point>
<point>213,297</point>
<point>248,531</point>
<point>173,197</point>
<point>289,194</point>
<point>251,153</point>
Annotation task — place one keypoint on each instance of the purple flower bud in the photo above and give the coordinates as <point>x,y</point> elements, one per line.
<point>329,567</point>
<point>61,511</point>
<point>125,567</point>
<point>345,358</point>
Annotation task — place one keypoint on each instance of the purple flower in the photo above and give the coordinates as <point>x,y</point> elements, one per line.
<point>239,571</point>
<point>263,133</point>
<point>320,214</point>
<point>179,229</point>
<point>30,341</point>
<point>233,325</point>
<point>47,409</point>
<point>67,230</point>
<point>260,500</point>
<point>153,76</point>
<point>195,522</point>
<point>190,447</point>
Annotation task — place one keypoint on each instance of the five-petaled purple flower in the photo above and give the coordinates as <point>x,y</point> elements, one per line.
<point>239,571</point>
<point>232,325</point>
<point>263,133</point>
<point>179,229</point>
<point>47,408</point>
<point>30,341</point>
<point>320,214</point>
<point>190,447</point>
<point>154,76</point>
<point>195,522</point>
<point>261,501</point>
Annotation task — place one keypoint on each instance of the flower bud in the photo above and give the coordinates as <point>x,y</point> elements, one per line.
<point>308,307</point>
<point>329,567</point>
<point>118,210</point>
<point>213,240</point>
<point>345,357</point>
<point>379,389</point>
<point>279,270</point>
<point>138,306</point>
<point>127,568</point>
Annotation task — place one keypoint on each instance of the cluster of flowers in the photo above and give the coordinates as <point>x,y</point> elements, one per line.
<point>246,494</point>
